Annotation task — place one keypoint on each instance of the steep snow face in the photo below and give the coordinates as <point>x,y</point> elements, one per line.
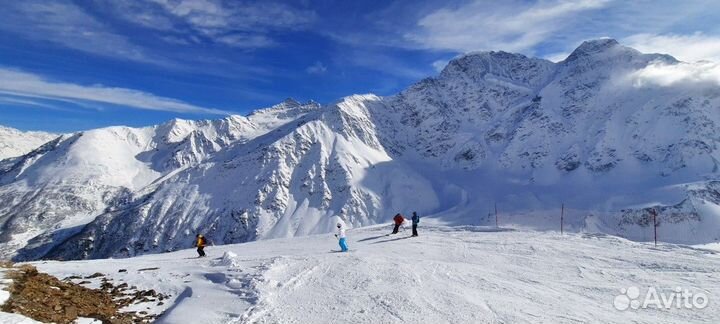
<point>452,119</point>
<point>493,128</point>
<point>52,192</point>
<point>14,143</point>
<point>286,183</point>
<point>531,134</point>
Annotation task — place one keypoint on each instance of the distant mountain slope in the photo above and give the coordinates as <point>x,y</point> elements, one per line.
<point>52,192</point>
<point>15,143</point>
<point>591,132</point>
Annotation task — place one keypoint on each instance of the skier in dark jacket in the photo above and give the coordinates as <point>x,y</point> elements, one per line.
<point>415,222</point>
<point>398,219</point>
<point>200,243</point>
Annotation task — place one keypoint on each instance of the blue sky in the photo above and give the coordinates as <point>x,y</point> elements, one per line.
<point>75,65</point>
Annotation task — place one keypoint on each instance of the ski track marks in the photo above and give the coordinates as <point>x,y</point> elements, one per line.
<point>446,275</point>
<point>483,277</point>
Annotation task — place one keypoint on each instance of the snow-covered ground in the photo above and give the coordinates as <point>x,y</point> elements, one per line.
<point>449,274</point>
<point>10,318</point>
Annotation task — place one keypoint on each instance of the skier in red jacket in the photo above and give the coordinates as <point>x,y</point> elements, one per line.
<point>398,219</point>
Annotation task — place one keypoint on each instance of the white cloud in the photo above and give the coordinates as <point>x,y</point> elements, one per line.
<point>245,41</point>
<point>211,14</point>
<point>479,25</point>
<point>439,65</point>
<point>232,23</point>
<point>694,47</point>
<point>660,74</point>
<point>21,84</point>
<point>66,24</point>
<point>317,68</point>
<point>13,101</point>
<point>384,63</point>
<point>142,13</point>
<point>557,57</point>
<point>179,22</point>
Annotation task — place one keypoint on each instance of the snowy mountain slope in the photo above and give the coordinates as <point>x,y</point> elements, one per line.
<point>52,192</point>
<point>464,274</point>
<point>493,128</point>
<point>15,143</point>
<point>286,183</point>
<point>581,132</point>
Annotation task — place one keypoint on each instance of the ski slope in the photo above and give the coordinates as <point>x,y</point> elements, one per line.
<point>448,274</point>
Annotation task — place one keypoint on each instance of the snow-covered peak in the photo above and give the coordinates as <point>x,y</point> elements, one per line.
<point>290,102</point>
<point>607,49</point>
<point>175,129</point>
<point>351,101</point>
<point>598,47</point>
<point>288,108</point>
<point>14,142</point>
<point>502,65</point>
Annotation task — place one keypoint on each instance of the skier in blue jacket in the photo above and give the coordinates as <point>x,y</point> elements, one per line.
<point>415,222</point>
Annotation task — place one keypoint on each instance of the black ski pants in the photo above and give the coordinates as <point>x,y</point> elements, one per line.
<point>395,230</point>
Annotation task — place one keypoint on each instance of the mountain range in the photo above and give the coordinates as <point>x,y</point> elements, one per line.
<point>599,137</point>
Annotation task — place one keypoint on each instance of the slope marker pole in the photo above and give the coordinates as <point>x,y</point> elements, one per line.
<point>562,217</point>
<point>496,217</point>
<point>654,213</point>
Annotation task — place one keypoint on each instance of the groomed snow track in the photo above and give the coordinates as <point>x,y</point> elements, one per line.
<point>446,275</point>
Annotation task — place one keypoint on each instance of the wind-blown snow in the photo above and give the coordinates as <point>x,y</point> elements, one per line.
<point>464,274</point>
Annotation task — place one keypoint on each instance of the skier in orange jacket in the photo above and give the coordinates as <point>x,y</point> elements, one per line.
<point>200,242</point>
